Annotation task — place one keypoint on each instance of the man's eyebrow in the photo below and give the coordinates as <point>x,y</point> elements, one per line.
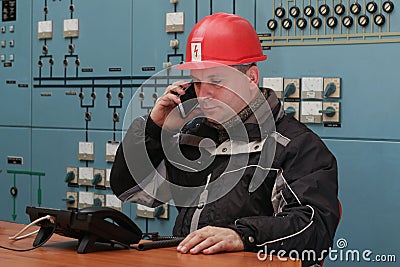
<point>211,76</point>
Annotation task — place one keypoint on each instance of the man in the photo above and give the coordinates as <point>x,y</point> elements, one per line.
<point>243,175</point>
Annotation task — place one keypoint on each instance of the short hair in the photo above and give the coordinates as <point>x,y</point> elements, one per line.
<point>244,67</point>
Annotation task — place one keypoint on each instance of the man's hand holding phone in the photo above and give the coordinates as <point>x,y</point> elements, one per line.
<point>170,110</point>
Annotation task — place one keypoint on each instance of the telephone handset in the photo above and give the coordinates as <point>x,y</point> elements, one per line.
<point>188,101</point>
<point>88,225</point>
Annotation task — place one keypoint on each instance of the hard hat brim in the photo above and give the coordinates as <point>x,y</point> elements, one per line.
<point>207,64</point>
<point>198,65</point>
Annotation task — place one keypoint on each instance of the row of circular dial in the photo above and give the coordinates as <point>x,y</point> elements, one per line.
<point>332,21</point>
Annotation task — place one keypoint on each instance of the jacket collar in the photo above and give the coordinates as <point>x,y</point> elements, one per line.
<point>257,124</point>
<point>256,118</point>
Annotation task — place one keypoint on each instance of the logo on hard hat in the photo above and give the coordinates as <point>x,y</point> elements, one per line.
<point>196,51</point>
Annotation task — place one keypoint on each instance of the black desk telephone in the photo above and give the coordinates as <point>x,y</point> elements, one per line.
<point>88,225</point>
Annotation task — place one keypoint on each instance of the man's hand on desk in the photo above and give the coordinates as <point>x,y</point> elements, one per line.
<point>210,240</point>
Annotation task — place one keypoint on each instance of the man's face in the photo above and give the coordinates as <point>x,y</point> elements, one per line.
<point>222,92</point>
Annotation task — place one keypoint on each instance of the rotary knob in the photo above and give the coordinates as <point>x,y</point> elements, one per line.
<point>363,21</point>
<point>324,10</point>
<point>309,11</point>
<point>316,23</point>
<point>280,12</point>
<point>347,21</point>
<point>372,7</point>
<point>301,23</point>
<point>272,24</point>
<point>294,11</point>
<point>332,22</point>
<point>355,8</point>
<point>116,116</point>
<point>120,96</point>
<point>45,50</point>
<point>340,9</point>
<point>388,6</point>
<point>287,24</point>
<point>379,20</point>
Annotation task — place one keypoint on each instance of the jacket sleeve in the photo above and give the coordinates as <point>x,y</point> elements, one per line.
<point>137,158</point>
<point>307,213</point>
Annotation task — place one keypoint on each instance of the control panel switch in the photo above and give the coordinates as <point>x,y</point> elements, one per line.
<point>174,43</point>
<point>291,88</point>
<point>72,175</point>
<point>330,112</point>
<point>292,109</point>
<point>332,87</point>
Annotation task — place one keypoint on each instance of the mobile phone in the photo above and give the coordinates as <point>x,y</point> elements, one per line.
<point>188,101</point>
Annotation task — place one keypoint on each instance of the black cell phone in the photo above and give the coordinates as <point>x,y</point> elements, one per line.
<point>188,101</point>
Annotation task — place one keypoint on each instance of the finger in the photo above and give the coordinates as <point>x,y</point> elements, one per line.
<point>177,88</point>
<point>169,100</point>
<point>180,83</point>
<point>215,248</point>
<point>204,245</point>
<point>185,245</point>
<point>191,240</point>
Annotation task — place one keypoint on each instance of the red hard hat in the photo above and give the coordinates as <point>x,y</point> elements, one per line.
<point>221,38</point>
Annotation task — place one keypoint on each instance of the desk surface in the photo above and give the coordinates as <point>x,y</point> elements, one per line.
<point>61,251</point>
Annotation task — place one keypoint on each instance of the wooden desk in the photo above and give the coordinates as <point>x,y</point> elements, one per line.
<point>61,251</point>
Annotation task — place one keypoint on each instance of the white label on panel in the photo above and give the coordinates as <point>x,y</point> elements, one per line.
<point>111,148</point>
<point>175,18</point>
<point>86,148</point>
<point>45,26</point>
<point>86,197</point>
<point>71,24</point>
<point>311,108</point>
<point>315,84</point>
<point>113,201</point>
<point>86,173</point>
<point>274,83</point>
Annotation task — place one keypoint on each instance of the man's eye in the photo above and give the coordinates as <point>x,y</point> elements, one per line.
<point>216,81</point>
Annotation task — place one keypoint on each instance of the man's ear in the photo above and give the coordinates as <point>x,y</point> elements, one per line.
<point>254,74</point>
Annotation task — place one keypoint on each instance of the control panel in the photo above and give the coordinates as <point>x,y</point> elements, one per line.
<point>74,73</point>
